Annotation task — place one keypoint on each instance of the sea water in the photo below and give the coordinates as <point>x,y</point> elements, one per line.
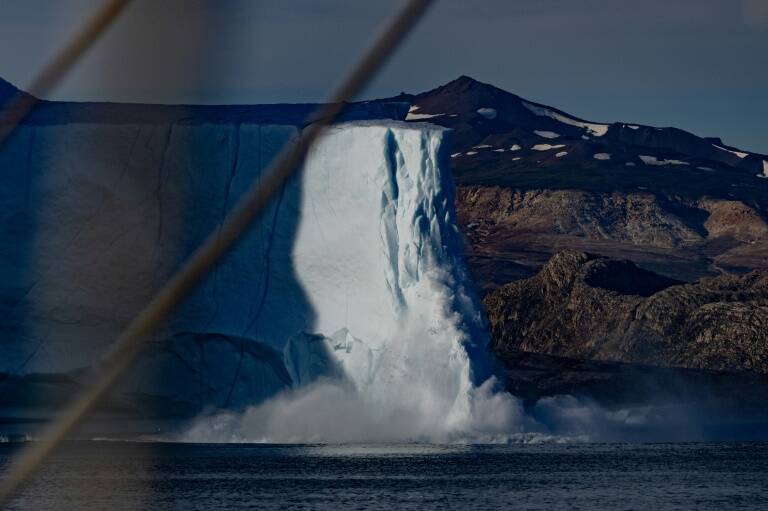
<point>155,476</point>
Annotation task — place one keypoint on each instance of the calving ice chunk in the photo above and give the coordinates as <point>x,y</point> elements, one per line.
<point>377,250</point>
<point>378,257</point>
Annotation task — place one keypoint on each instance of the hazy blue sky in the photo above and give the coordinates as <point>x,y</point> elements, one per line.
<point>701,65</point>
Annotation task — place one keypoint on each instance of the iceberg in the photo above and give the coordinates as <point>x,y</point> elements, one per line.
<point>354,274</point>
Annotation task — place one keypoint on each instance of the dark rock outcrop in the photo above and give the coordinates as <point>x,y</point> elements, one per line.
<point>589,307</point>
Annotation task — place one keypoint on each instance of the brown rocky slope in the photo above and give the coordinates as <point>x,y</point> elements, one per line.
<point>512,232</point>
<point>583,306</point>
<point>533,180</point>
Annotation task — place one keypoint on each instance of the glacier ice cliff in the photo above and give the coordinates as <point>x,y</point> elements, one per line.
<point>354,273</point>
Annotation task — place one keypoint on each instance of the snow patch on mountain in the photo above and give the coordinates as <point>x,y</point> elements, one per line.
<point>764,175</point>
<point>740,154</point>
<point>420,117</point>
<point>488,113</point>
<point>601,156</point>
<point>652,160</point>
<point>595,129</point>
<point>546,147</point>
<point>547,134</point>
<point>414,116</point>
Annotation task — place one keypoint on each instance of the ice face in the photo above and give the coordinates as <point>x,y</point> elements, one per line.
<point>97,216</point>
<point>354,273</point>
<point>378,256</point>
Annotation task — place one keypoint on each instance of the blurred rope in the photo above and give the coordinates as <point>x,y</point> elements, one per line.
<point>20,106</point>
<point>128,344</point>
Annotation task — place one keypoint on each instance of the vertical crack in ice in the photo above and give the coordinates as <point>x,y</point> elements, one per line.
<point>234,158</point>
<point>129,158</point>
<point>160,182</point>
<point>254,323</point>
<point>393,160</point>
<point>28,164</point>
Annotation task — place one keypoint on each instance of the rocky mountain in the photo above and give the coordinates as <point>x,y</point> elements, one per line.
<point>533,180</point>
<point>590,307</point>
<point>620,335</point>
<point>661,290</point>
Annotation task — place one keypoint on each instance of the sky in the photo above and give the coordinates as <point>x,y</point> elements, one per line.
<point>700,65</point>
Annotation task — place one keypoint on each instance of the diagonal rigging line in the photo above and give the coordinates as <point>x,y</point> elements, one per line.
<point>22,104</point>
<point>128,344</point>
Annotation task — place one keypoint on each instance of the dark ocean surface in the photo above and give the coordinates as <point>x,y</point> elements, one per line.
<point>121,475</point>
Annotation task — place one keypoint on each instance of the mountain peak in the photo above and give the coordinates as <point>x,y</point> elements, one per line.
<point>464,83</point>
<point>464,79</point>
